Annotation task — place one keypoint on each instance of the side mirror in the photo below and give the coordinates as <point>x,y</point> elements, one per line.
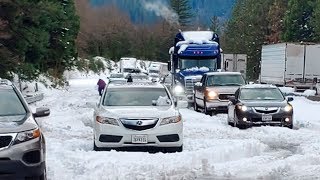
<point>290,99</point>
<point>233,100</point>
<point>42,112</point>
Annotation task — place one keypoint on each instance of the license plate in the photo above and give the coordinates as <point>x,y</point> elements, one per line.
<point>139,139</point>
<point>266,118</point>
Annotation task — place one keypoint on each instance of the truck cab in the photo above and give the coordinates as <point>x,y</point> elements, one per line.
<point>212,92</point>
<point>193,54</point>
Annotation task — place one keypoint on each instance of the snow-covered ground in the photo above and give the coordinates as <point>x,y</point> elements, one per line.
<point>212,149</point>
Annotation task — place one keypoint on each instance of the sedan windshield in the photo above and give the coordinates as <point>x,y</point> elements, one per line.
<point>10,104</point>
<point>261,94</point>
<point>198,63</point>
<point>136,97</point>
<point>225,80</point>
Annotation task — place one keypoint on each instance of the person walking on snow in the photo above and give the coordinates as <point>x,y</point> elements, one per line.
<point>130,78</point>
<point>101,85</point>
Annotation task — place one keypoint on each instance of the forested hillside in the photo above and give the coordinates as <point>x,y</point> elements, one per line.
<point>202,9</point>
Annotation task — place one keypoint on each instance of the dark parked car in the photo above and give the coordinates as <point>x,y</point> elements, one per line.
<point>257,104</point>
<point>22,145</point>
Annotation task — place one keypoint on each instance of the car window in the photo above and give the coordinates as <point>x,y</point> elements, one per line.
<point>261,94</point>
<point>136,97</point>
<point>116,76</point>
<point>225,80</point>
<point>10,104</point>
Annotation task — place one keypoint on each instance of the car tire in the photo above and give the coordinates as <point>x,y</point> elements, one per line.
<point>290,126</point>
<point>205,110</point>
<point>195,105</point>
<point>174,149</point>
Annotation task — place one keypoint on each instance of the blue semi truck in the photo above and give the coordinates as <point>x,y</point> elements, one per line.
<point>193,54</point>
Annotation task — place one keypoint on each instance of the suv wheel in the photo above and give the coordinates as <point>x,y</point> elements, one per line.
<point>195,105</point>
<point>205,109</point>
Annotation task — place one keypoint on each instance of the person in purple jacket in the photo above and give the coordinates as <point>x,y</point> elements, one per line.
<point>101,85</point>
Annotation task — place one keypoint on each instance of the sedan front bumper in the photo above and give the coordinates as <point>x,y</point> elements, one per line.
<point>110,136</point>
<point>251,118</point>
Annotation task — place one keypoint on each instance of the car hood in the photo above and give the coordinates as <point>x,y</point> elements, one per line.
<point>15,124</point>
<point>138,112</point>
<point>223,89</point>
<point>265,103</point>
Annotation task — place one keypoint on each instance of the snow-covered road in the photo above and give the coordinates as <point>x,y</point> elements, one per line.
<point>212,149</point>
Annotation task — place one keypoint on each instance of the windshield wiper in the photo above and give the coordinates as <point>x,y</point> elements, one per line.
<point>233,84</point>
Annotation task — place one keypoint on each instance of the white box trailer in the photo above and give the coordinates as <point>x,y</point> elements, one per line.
<point>234,63</point>
<point>290,64</point>
<point>127,63</point>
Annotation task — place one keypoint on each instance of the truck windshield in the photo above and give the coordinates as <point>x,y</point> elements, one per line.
<point>198,63</point>
<point>225,80</point>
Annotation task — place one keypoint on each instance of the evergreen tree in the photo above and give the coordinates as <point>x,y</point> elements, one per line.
<point>297,24</point>
<point>246,31</point>
<point>316,21</point>
<point>42,35</point>
<point>183,10</point>
<point>215,25</point>
<point>275,20</point>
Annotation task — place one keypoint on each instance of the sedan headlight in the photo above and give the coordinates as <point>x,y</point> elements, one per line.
<point>27,135</point>
<point>288,108</point>
<point>243,108</point>
<point>107,120</point>
<point>170,120</point>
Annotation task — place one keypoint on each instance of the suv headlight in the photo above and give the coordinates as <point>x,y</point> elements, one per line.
<point>288,108</point>
<point>212,95</point>
<point>170,120</point>
<point>107,120</point>
<point>27,135</point>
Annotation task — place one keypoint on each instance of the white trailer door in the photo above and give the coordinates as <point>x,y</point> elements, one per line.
<point>228,64</point>
<point>273,59</point>
<point>241,64</point>
<point>295,62</point>
<point>312,64</point>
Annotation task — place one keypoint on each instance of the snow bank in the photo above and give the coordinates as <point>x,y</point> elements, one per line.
<point>309,92</point>
<point>287,90</point>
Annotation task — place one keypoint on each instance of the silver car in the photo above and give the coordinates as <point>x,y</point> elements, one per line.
<point>139,116</point>
<point>22,145</point>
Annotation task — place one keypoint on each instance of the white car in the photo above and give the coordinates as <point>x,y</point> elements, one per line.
<point>142,115</point>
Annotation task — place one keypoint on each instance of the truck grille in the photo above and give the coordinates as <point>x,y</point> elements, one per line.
<point>189,84</point>
<point>225,96</point>
<point>5,141</point>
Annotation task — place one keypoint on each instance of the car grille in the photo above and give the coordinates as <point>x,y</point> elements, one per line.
<point>139,124</point>
<point>189,84</point>
<point>266,110</point>
<point>5,141</point>
<point>225,96</point>
<point>139,128</point>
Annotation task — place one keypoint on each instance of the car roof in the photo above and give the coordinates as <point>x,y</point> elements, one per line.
<point>136,85</point>
<point>5,84</point>
<point>257,86</point>
<point>223,73</point>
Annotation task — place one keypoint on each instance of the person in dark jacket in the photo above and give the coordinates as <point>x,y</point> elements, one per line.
<point>101,85</point>
<point>130,78</point>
